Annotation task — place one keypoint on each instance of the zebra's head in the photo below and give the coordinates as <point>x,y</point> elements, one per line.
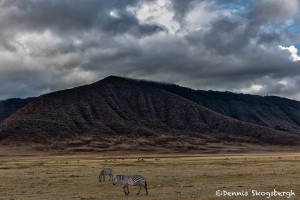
<point>101,178</point>
<point>116,179</point>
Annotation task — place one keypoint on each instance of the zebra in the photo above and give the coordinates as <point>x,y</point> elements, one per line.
<point>104,172</point>
<point>131,180</point>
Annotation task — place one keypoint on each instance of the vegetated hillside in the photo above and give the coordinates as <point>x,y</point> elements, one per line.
<point>270,111</point>
<point>274,112</point>
<point>119,113</point>
<point>9,106</point>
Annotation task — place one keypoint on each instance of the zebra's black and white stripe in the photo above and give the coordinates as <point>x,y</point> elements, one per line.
<point>105,172</point>
<point>138,181</point>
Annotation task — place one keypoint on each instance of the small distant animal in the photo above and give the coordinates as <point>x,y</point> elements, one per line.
<point>138,181</point>
<point>105,172</point>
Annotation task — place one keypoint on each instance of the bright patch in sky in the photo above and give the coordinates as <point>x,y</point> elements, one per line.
<point>158,13</point>
<point>114,14</point>
<point>283,82</point>
<point>293,50</point>
<point>253,89</point>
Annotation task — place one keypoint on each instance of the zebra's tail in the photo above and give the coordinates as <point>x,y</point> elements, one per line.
<point>146,187</point>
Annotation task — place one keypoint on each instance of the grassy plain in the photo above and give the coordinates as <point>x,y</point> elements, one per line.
<point>179,177</point>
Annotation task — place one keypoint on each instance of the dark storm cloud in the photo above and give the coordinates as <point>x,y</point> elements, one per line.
<point>181,8</point>
<point>247,51</point>
<point>266,38</point>
<point>268,10</point>
<point>51,29</point>
<point>220,45</point>
<point>68,15</point>
<point>125,22</point>
<point>226,36</point>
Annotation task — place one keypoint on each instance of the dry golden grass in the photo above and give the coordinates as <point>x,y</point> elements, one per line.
<point>187,178</point>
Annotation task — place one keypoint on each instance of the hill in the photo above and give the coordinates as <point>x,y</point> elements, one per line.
<point>123,114</point>
<point>274,112</point>
<point>270,111</point>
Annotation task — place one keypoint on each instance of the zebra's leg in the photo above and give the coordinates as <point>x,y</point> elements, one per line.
<point>145,186</point>
<point>139,190</point>
<point>124,189</point>
<point>127,190</point>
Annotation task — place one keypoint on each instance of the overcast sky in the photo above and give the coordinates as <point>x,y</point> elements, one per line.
<point>241,46</point>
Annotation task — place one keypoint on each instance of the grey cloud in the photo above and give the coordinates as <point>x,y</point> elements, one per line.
<point>272,10</point>
<point>276,87</point>
<point>125,22</point>
<point>233,52</point>
<point>266,38</point>
<point>181,8</point>
<point>24,83</point>
<point>226,36</point>
<point>68,16</point>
